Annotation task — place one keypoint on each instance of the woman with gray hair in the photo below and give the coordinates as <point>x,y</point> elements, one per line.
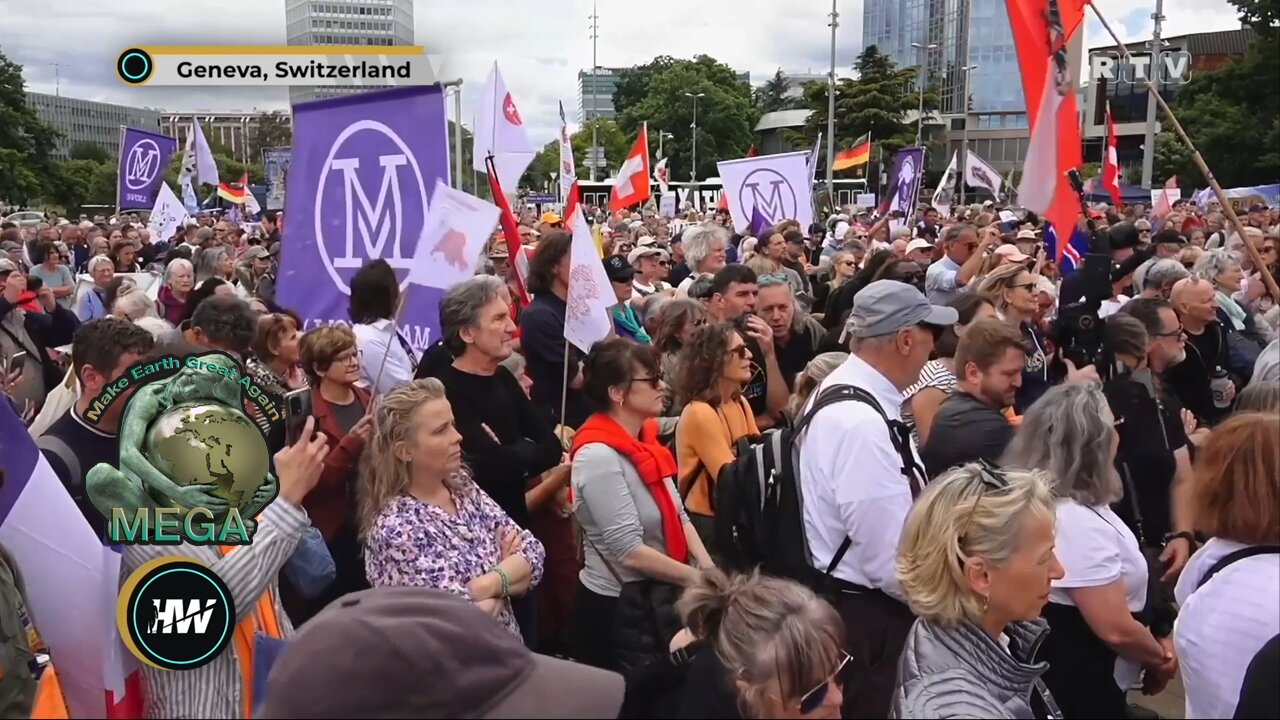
<point>218,262</point>
<point>976,561</point>
<point>705,247</point>
<point>1224,271</point>
<point>505,439</point>
<point>132,304</point>
<point>1098,648</point>
<point>179,280</point>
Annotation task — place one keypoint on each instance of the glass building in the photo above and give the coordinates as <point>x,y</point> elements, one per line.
<point>345,22</point>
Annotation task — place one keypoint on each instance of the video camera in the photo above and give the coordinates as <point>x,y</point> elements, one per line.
<point>1079,331</point>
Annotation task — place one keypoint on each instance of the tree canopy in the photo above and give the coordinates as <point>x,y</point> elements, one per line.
<point>26,143</point>
<point>272,130</point>
<point>772,95</point>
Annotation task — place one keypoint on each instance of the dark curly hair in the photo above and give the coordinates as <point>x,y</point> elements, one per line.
<point>672,320</point>
<point>701,364</point>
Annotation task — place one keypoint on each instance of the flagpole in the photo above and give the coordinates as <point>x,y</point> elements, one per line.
<point>831,108</point>
<point>1196,157</point>
<point>119,157</point>
<point>564,395</point>
<point>395,329</point>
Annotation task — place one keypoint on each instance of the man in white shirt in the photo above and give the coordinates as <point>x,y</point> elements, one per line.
<point>946,278</point>
<point>856,483</point>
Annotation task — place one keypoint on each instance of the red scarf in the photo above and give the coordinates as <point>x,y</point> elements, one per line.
<point>651,460</point>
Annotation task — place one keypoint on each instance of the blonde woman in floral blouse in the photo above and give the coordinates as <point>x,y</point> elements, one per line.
<point>423,519</point>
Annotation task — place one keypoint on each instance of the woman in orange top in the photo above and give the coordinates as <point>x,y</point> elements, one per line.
<point>714,367</point>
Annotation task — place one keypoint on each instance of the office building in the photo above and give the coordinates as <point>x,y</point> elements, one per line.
<point>595,92</point>
<point>1128,100</point>
<point>796,83</point>
<point>345,22</point>
<point>89,121</point>
<point>233,131</point>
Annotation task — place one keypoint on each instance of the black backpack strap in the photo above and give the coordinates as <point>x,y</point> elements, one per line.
<point>840,553</point>
<point>1235,557</point>
<point>899,433</point>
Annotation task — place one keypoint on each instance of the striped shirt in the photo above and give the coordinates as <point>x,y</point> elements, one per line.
<point>934,374</point>
<point>217,689</point>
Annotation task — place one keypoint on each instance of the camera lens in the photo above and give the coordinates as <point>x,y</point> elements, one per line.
<point>134,66</point>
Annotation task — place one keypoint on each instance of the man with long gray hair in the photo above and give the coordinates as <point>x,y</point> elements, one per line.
<point>705,251</point>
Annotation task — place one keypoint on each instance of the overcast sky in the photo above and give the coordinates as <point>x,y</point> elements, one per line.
<point>540,46</point>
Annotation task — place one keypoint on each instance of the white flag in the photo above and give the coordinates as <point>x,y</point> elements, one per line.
<point>586,318</point>
<point>813,156</point>
<point>780,186</point>
<point>500,132</point>
<point>980,174</point>
<point>568,171</point>
<point>946,191</point>
<point>454,234</point>
<point>251,206</point>
<point>168,215</point>
<point>206,168</point>
<point>1040,175</point>
<point>189,200</point>
<point>662,175</point>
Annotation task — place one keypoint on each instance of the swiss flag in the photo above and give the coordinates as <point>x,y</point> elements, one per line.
<point>1110,166</point>
<point>571,201</point>
<point>500,134</point>
<point>1164,203</point>
<point>631,187</point>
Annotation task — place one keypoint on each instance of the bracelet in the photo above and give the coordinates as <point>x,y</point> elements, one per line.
<point>506,580</point>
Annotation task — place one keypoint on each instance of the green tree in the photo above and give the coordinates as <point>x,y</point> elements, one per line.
<point>90,151</point>
<point>26,143</point>
<point>272,129</point>
<point>612,140</point>
<point>1173,158</point>
<point>546,162</point>
<point>877,102</point>
<point>772,95</point>
<point>727,114</point>
<point>81,181</point>
<point>633,85</point>
<point>1262,15</point>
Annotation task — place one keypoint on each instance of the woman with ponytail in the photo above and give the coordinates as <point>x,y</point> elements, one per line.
<point>766,648</point>
<point>639,546</point>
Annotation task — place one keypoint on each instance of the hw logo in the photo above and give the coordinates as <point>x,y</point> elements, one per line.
<point>1171,67</point>
<point>175,613</point>
<point>768,191</point>
<point>142,164</point>
<point>371,201</point>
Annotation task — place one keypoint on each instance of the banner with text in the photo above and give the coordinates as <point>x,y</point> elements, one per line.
<point>365,167</point>
<point>275,167</point>
<point>779,186</point>
<point>143,159</point>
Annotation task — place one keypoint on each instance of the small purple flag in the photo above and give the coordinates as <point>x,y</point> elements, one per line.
<point>759,223</point>
<point>143,159</point>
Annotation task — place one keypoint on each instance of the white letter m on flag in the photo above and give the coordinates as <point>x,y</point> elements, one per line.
<point>375,220</point>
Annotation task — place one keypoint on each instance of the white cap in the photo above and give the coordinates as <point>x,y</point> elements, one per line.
<point>1012,253</point>
<point>1026,235</point>
<point>646,241</point>
<point>635,255</point>
<point>919,244</point>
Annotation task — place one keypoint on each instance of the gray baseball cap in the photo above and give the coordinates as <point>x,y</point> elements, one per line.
<point>887,306</point>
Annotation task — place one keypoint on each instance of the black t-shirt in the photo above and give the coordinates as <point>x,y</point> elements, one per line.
<point>795,354</point>
<point>679,271</point>
<point>542,341</point>
<point>528,444</point>
<point>1259,693</point>
<point>89,446</point>
<point>757,390</point>
<point>1035,373</point>
<point>965,430</point>
<point>1189,379</point>
<point>1150,432</point>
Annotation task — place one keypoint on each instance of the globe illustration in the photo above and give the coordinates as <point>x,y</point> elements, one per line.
<point>202,443</point>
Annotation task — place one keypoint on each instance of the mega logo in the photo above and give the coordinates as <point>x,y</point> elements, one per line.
<point>371,175</point>
<point>142,164</point>
<point>1171,67</point>
<point>769,192</point>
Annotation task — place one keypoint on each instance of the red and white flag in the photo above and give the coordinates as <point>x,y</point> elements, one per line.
<point>586,317</point>
<point>500,132</point>
<point>631,187</point>
<point>1164,203</point>
<point>568,170</point>
<point>1110,165</point>
<point>510,231</point>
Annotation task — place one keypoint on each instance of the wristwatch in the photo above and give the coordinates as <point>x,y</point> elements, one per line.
<point>1187,535</point>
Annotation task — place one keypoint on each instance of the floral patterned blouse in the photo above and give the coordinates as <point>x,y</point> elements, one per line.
<point>413,543</point>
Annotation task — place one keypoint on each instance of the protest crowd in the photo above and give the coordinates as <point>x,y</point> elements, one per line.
<point>859,462</point>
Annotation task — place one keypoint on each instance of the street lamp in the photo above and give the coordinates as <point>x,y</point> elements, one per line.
<point>456,86</point>
<point>923,68</point>
<point>693,171</point>
<point>964,142</point>
<point>663,134</point>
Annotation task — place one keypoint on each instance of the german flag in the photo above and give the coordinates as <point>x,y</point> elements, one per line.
<point>857,155</point>
<point>234,192</point>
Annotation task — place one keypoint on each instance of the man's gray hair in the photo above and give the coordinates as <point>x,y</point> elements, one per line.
<point>1214,263</point>
<point>1126,335</point>
<point>97,260</point>
<point>1068,433</point>
<point>461,307</point>
<point>769,280</point>
<point>1161,274</point>
<point>227,322</point>
<point>698,240</point>
<point>178,264</point>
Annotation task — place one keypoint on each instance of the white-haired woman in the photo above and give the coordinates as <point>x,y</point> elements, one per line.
<point>705,251</point>
<point>218,262</point>
<point>1224,271</point>
<point>1098,648</point>
<point>179,280</point>
<point>766,648</point>
<point>423,519</point>
<point>976,561</point>
<point>132,304</point>
<point>92,303</point>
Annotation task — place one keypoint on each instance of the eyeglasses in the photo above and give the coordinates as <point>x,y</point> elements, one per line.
<point>348,356</point>
<point>1173,334</point>
<point>741,351</point>
<point>911,278</point>
<point>664,263</point>
<point>654,382</point>
<point>812,700</point>
<point>989,477</point>
<point>847,263</point>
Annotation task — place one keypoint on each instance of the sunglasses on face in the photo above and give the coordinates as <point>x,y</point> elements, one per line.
<point>741,351</point>
<point>654,382</point>
<point>911,278</point>
<point>814,699</point>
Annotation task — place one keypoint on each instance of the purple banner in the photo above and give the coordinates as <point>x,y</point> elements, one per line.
<point>143,159</point>
<point>903,190</point>
<point>360,178</point>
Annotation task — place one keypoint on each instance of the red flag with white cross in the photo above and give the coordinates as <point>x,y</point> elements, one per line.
<point>631,187</point>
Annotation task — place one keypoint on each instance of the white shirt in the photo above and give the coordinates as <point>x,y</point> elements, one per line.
<point>643,289</point>
<point>940,282</point>
<point>1111,307</point>
<point>1223,625</point>
<point>852,482</point>
<point>375,341</point>
<point>1096,548</point>
<point>684,284</point>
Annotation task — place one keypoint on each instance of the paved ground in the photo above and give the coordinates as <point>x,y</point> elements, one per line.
<point>1170,703</point>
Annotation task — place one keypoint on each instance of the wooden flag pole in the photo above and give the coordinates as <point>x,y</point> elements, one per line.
<point>395,328</point>
<point>564,396</point>
<point>1223,200</point>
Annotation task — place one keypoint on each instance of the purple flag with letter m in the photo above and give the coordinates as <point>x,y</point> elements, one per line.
<point>360,178</point>
<point>143,159</point>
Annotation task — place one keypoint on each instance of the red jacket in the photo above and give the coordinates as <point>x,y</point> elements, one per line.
<point>332,502</point>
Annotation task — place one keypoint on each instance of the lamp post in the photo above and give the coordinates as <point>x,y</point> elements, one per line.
<point>964,142</point>
<point>923,67</point>
<point>662,134</point>
<point>693,170</point>
<point>594,116</point>
<point>457,130</point>
<point>831,107</point>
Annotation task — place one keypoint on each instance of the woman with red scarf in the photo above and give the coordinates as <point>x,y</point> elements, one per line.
<point>638,537</point>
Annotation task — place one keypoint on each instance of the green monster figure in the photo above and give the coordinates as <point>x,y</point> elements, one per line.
<point>185,441</point>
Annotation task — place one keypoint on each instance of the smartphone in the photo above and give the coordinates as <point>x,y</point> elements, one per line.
<point>297,408</point>
<point>16,362</point>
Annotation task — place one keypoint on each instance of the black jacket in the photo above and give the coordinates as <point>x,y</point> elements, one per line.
<point>47,330</point>
<point>965,430</point>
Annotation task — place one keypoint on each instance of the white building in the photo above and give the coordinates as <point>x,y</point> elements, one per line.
<point>89,121</point>
<point>345,22</point>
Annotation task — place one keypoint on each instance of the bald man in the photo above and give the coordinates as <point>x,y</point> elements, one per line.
<point>1199,381</point>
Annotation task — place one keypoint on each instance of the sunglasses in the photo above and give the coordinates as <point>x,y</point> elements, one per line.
<point>989,478</point>
<point>847,263</point>
<point>1173,334</point>
<point>911,278</point>
<point>812,700</point>
<point>654,382</point>
<point>741,351</point>
<point>664,263</point>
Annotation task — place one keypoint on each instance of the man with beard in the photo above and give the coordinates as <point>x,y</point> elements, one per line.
<point>1153,459</point>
